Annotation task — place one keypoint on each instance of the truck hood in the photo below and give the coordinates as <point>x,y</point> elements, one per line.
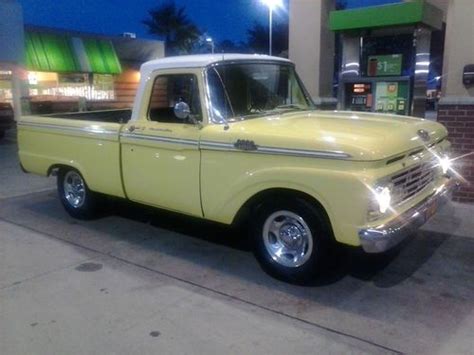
<point>359,136</point>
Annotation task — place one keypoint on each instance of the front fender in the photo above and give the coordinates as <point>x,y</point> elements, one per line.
<point>342,194</point>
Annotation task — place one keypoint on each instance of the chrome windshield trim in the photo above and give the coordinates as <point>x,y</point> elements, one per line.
<point>146,137</point>
<point>75,129</point>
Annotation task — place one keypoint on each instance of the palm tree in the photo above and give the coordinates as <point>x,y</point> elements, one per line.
<point>257,38</point>
<point>172,23</point>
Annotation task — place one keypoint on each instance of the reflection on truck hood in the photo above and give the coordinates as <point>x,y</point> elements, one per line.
<point>363,136</point>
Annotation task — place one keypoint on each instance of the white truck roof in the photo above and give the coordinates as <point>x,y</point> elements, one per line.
<point>191,61</point>
<point>202,60</point>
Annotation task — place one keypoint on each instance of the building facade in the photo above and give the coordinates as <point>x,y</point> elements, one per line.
<point>12,52</point>
<point>44,70</point>
<point>456,106</point>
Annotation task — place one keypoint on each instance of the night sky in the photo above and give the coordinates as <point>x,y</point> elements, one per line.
<point>224,19</point>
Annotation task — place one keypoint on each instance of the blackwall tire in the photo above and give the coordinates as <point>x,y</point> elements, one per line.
<point>76,197</point>
<point>291,240</point>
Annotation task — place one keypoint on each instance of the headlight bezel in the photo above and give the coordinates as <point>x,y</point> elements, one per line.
<point>380,200</point>
<point>445,163</point>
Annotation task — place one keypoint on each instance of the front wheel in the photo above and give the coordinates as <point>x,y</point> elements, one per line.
<point>77,199</point>
<point>291,239</point>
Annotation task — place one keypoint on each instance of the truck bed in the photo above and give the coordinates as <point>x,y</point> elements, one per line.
<point>86,141</point>
<point>109,116</point>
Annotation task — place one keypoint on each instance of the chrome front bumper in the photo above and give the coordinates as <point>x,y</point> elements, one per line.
<point>386,236</point>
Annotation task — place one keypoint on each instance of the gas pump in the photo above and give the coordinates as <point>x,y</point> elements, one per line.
<point>384,95</point>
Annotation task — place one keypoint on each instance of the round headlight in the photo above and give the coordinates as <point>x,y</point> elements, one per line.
<point>383,197</point>
<point>445,164</point>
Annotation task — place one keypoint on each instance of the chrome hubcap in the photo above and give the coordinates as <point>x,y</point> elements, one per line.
<point>74,189</point>
<point>287,239</point>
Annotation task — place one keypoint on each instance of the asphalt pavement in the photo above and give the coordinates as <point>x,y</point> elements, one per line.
<point>143,281</point>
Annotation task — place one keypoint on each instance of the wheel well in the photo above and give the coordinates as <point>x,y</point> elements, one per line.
<point>255,201</point>
<point>53,169</point>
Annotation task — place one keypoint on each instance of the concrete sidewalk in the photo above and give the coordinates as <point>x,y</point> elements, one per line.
<point>56,298</point>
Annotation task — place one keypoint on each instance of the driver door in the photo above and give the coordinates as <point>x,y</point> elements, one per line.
<point>160,152</point>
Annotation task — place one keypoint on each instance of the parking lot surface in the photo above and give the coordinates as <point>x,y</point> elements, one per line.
<point>145,281</point>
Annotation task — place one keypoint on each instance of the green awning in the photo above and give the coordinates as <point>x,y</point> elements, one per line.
<point>53,52</point>
<point>399,14</point>
<point>50,52</point>
<point>101,56</point>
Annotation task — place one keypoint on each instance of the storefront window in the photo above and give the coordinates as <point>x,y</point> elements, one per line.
<point>88,86</point>
<point>103,87</point>
<point>5,86</point>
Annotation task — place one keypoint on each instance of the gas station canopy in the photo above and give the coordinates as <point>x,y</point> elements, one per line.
<point>403,14</point>
<point>385,56</point>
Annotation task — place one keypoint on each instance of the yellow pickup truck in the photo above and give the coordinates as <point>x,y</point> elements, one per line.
<point>236,139</point>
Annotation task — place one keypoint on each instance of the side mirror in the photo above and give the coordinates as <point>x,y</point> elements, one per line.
<point>182,110</point>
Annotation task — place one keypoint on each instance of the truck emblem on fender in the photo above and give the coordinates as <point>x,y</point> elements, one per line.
<point>424,135</point>
<point>243,144</point>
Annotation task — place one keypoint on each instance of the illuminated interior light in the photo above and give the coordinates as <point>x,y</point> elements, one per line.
<point>352,64</point>
<point>32,78</point>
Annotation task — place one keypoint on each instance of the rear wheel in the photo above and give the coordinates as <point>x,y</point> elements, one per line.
<point>291,239</point>
<point>77,199</point>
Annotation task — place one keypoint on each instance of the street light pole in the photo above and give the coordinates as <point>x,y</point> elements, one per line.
<point>211,42</point>
<point>270,29</point>
<point>271,4</point>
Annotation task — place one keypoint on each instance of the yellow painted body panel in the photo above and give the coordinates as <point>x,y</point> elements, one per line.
<point>365,136</point>
<point>95,155</point>
<point>164,169</point>
<point>229,179</point>
<point>163,174</point>
<point>171,166</point>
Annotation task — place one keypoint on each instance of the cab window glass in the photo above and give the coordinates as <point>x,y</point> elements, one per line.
<point>245,90</point>
<point>168,90</point>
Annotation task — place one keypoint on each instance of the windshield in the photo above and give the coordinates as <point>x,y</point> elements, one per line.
<point>246,90</point>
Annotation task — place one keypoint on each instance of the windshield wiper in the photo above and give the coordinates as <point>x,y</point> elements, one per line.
<point>289,106</point>
<point>282,109</point>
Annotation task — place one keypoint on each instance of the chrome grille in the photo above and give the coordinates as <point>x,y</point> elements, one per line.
<point>408,183</point>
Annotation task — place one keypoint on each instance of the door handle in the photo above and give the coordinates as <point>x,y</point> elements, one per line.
<point>131,129</point>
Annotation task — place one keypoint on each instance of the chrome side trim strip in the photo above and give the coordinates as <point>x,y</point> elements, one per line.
<point>305,153</point>
<point>146,137</point>
<point>66,128</point>
<point>205,145</point>
<point>209,145</point>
